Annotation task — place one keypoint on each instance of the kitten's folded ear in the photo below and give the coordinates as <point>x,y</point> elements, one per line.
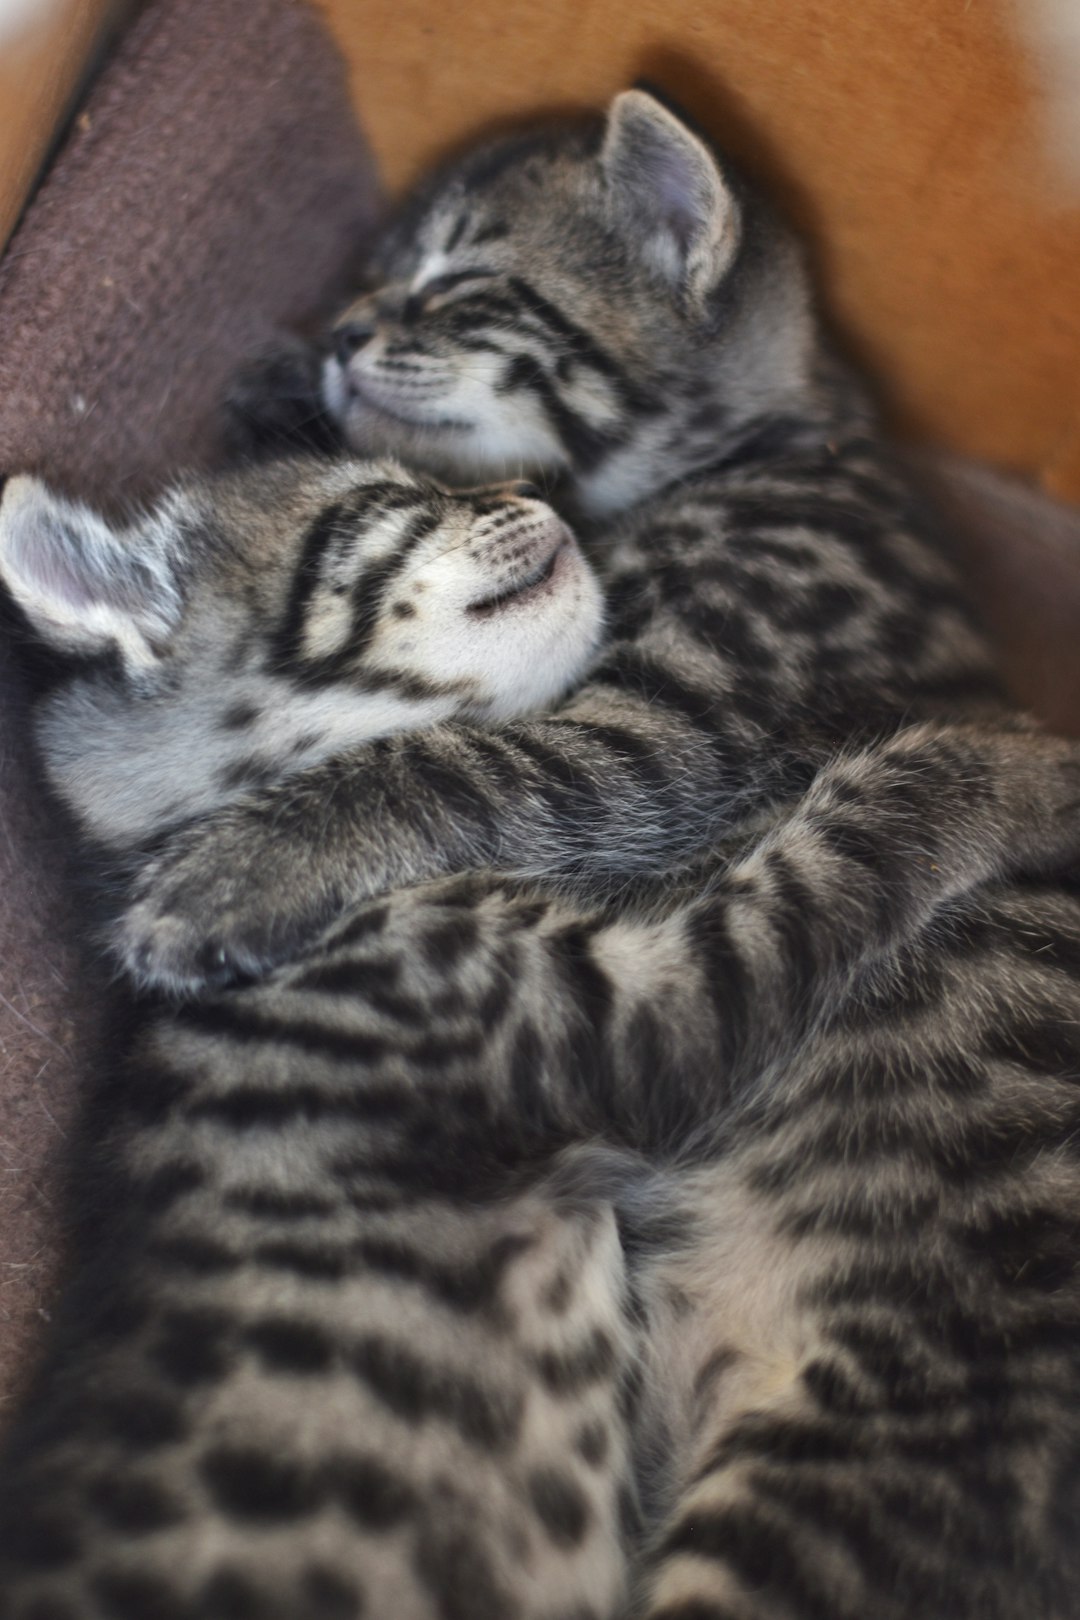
<point>85,587</point>
<point>668,190</point>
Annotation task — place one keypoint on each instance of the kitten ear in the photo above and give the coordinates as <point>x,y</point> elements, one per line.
<point>668,188</point>
<point>85,587</point>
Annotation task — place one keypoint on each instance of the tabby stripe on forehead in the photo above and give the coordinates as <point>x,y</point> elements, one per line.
<point>288,640</point>
<point>369,590</point>
<point>457,232</point>
<point>288,643</point>
<point>457,278</point>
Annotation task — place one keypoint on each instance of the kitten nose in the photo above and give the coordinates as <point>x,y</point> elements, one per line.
<point>349,338</point>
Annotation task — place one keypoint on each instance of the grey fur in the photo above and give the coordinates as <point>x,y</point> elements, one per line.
<point>705,1252</point>
<point>772,592</point>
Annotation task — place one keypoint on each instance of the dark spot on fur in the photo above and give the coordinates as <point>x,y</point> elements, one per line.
<point>228,1595</point>
<point>196,1254</point>
<point>290,1346</point>
<point>592,1443</point>
<point>169,1183</point>
<point>833,1389</point>
<point>252,772</point>
<point>457,231</point>
<point>447,942</point>
<point>374,1495</point>
<point>560,1504</point>
<point>496,230</point>
<point>330,1596</point>
<point>239,716</point>
<point>319,1261</point>
<point>469,1286</point>
<point>566,1372</point>
<point>142,1420</point>
<point>759,1552</point>
<point>455,1568</point>
<point>713,1369</point>
<point>416,1390</point>
<point>403,610</point>
<point>559,1292</point>
<point>278,1204</point>
<point>136,1505</point>
<point>1048,1045</point>
<point>137,1595</point>
<point>250,1484</point>
<point>190,1348</point>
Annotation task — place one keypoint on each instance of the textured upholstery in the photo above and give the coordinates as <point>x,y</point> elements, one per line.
<point>213,188</point>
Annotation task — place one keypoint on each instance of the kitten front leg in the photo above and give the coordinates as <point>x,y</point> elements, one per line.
<point>253,884</point>
<point>599,789</point>
<point>925,815</point>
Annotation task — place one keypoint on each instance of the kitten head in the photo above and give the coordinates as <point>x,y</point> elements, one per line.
<point>254,623</point>
<point>602,301</point>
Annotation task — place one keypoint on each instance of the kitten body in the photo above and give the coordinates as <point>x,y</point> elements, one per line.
<point>772,590</point>
<point>440,1271</point>
<point>705,1254</point>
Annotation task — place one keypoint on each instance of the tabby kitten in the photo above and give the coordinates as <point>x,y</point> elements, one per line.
<point>351,1331</point>
<point>605,304</point>
<point>396,603</point>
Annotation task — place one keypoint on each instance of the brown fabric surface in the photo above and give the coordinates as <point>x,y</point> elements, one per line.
<point>213,189</point>
<point>47,1024</point>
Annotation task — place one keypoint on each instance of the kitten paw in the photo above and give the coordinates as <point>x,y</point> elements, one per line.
<point>196,923</point>
<point>275,404</point>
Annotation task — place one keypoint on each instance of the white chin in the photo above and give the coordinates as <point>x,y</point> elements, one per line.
<point>370,433</point>
<point>453,454</point>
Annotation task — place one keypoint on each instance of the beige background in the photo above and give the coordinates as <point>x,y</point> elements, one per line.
<point>41,67</point>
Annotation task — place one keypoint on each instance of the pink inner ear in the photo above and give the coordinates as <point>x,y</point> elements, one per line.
<point>63,572</point>
<point>60,576</point>
<point>54,568</point>
<point>671,179</point>
<point>683,202</point>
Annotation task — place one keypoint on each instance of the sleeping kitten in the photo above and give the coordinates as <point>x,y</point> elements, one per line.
<point>352,1330</point>
<point>394,604</point>
<point>607,305</point>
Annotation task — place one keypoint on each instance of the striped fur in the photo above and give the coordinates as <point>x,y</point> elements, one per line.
<point>352,1330</point>
<point>269,621</point>
<point>773,593</point>
<point>696,1246</point>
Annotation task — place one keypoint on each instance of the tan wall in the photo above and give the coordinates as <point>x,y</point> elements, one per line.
<point>40,69</point>
<point>904,134</point>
